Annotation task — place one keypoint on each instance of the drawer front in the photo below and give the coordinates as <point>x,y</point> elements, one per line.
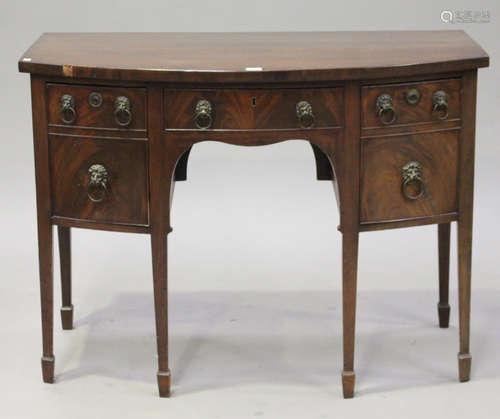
<point>391,168</point>
<point>410,103</point>
<point>254,109</point>
<point>111,108</point>
<point>100,180</point>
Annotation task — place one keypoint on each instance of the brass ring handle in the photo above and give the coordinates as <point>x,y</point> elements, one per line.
<point>123,114</point>
<point>203,114</point>
<point>412,176</point>
<point>97,188</point>
<point>440,104</point>
<point>305,114</point>
<point>67,111</point>
<point>385,109</point>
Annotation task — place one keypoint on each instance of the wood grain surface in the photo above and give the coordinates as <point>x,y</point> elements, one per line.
<point>254,81</point>
<point>126,162</point>
<point>103,116</point>
<point>254,109</point>
<point>406,113</point>
<point>251,56</point>
<point>381,175</point>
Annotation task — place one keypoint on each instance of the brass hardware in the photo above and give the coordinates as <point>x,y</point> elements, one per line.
<point>305,114</point>
<point>95,99</point>
<point>440,104</point>
<point>385,109</point>
<point>254,101</point>
<point>203,114</point>
<point>123,114</point>
<point>97,187</point>
<point>67,111</point>
<point>412,97</point>
<point>412,176</point>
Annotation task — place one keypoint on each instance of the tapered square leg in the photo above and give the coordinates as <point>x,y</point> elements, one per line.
<point>348,381</point>
<point>444,274</point>
<point>349,280</point>
<point>444,315</point>
<point>67,317</point>
<point>464,364</point>
<point>47,293</point>
<point>159,251</point>
<point>464,297</point>
<point>464,224</point>
<point>164,383</point>
<point>44,224</point>
<point>64,236</point>
<point>48,363</point>
<point>348,177</point>
<point>168,159</point>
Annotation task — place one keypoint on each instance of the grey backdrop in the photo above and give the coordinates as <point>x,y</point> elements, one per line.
<point>255,279</point>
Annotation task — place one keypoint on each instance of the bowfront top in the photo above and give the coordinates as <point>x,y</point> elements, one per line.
<point>252,56</point>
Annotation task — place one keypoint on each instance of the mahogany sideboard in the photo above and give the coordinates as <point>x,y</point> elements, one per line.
<point>390,117</point>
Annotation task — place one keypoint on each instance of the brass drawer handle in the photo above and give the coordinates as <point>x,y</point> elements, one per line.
<point>67,111</point>
<point>123,114</point>
<point>412,177</point>
<point>203,114</point>
<point>97,188</point>
<point>305,114</point>
<point>440,104</point>
<point>385,109</point>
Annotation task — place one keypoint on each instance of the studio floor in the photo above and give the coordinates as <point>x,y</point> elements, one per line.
<point>252,354</point>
